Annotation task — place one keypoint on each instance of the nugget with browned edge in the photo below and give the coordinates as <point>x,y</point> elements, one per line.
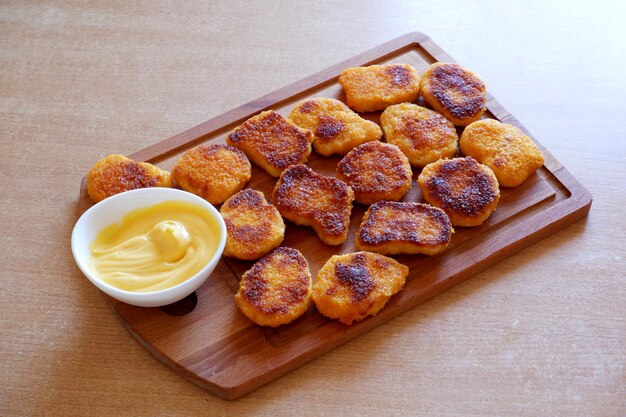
<point>467,191</point>
<point>213,172</point>
<point>336,128</point>
<point>376,171</point>
<point>392,227</point>
<point>272,142</point>
<point>353,286</point>
<point>114,174</point>
<point>277,289</point>
<point>254,226</point>
<point>422,134</point>
<point>315,200</point>
<point>455,92</point>
<point>378,86</point>
<point>504,148</point>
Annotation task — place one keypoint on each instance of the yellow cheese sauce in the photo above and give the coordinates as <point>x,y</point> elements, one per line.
<point>156,247</point>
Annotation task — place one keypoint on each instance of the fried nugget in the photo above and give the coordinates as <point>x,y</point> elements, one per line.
<point>277,289</point>
<point>466,190</point>
<point>311,199</point>
<point>352,286</point>
<point>422,134</point>
<point>504,148</point>
<point>391,227</point>
<point>376,171</point>
<point>213,172</point>
<point>336,128</point>
<point>272,142</point>
<point>378,86</point>
<point>455,92</point>
<point>254,227</point>
<point>116,173</point>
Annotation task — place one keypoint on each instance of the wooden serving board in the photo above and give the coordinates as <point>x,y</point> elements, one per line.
<point>208,341</point>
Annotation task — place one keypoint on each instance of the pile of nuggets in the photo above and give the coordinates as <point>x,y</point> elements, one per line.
<point>460,180</point>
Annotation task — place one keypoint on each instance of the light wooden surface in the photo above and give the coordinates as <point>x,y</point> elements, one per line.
<point>541,333</point>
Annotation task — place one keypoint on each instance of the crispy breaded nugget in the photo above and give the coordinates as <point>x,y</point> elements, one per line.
<point>466,190</point>
<point>391,227</point>
<point>378,86</point>
<point>336,128</point>
<point>422,134</point>
<point>254,226</point>
<point>352,286</point>
<point>455,92</point>
<point>272,142</point>
<point>116,173</point>
<point>376,171</point>
<point>505,149</point>
<point>213,172</point>
<point>277,289</point>
<point>311,199</point>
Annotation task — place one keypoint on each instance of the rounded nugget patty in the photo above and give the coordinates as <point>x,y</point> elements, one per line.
<point>213,172</point>
<point>504,148</point>
<point>254,226</point>
<point>375,87</point>
<point>422,134</point>
<point>114,174</point>
<point>455,92</point>
<point>336,128</point>
<point>353,286</point>
<point>376,171</point>
<point>277,289</point>
<point>466,190</point>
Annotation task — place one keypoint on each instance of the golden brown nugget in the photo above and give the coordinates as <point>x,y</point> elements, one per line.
<point>272,142</point>
<point>254,227</point>
<point>455,92</point>
<point>277,289</point>
<point>213,172</point>
<point>422,134</point>
<point>356,285</point>
<point>466,190</point>
<point>336,129</point>
<point>376,171</point>
<point>391,227</point>
<point>378,86</point>
<point>504,148</point>
<point>114,174</point>
<point>315,200</point>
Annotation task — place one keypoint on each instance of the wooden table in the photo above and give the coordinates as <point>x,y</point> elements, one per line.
<point>541,333</point>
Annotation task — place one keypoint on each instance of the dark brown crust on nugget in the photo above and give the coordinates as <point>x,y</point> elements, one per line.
<point>352,286</point>
<point>356,277</point>
<point>462,187</point>
<point>328,128</point>
<point>410,227</point>
<point>311,199</point>
<point>116,173</point>
<point>454,91</point>
<point>254,226</point>
<point>256,284</point>
<point>277,289</point>
<point>272,142</point>
<point>376,171</point>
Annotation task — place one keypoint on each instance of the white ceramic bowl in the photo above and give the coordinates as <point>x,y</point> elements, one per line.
<point>112,210</point>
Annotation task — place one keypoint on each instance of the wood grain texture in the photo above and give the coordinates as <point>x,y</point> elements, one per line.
<point>539,333</point>
<point>218,349</point>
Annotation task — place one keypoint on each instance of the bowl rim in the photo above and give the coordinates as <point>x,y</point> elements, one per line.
<point>147,296</point>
